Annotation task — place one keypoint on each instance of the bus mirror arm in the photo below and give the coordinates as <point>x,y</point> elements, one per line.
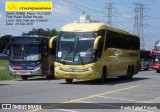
<point>51,41</point>
<point>96,41</point>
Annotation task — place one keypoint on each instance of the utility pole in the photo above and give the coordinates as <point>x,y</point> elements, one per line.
<point>109,9</point>
<point>139,22</point>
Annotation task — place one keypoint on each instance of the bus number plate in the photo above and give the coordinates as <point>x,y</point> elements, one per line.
<point>73,75</point>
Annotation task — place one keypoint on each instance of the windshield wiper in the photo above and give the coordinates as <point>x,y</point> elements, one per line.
<point>64,60</point>
<point>80,57</point>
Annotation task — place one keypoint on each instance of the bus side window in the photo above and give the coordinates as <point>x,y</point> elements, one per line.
<point>107,43</point>
<point>54,47</point>
<point>111,40</point>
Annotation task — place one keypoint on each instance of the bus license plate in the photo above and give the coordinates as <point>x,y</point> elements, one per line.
<point>73,75</point>
<point>23,72</point>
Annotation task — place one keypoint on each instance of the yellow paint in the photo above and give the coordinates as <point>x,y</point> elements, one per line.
<point>96,42</point>
<point>51,41</point>
<point>29,6</point>
<point>89,97</point>
<point>105,93</point>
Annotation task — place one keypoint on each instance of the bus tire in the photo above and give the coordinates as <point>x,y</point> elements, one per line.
<point>158,71</point>
<point>51,76</point>
<point>69,81</point>
<point>24,77</point>
<point>146,69</point>
<point>129,75</point>
<point>103,78</point>
<point>131,72</point>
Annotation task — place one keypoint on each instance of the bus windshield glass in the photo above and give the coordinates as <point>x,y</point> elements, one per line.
<point>75,47</point>
<point>25,52</point>
<point>156,57</point>
<point>157,45</point>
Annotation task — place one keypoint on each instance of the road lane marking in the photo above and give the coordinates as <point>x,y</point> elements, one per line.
<point>98,104</point>
<point>139,95</point>
<point>91,96</point>
<point>150,92</point>
<point>101,94</point>
<point>124,99</point>
<point>151,85</point>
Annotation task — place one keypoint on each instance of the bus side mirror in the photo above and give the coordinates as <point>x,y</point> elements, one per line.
<point>51,41</point>
<point>152,52</point>
<point>96,41</point>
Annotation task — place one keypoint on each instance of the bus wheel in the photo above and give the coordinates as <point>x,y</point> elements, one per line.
<point>103,78</point>
<point>129,74</point>
<point>50,77</point>
<point>146,69</point>
<point>24,77</point>
<point>158,71</point>
<point>69,81</point>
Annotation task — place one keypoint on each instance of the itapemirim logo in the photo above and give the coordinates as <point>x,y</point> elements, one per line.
<point>29,6</point>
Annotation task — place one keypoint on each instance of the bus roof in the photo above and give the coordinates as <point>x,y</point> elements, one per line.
<point>89,27</point>
<point>157,41</point>
<point>31,36</point>
<point>28,38</point>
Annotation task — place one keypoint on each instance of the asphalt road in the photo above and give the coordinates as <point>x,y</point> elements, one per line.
<point>143,88</point>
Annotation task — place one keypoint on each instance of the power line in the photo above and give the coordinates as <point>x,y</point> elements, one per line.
<point>99,3</point>
<point>76,6</point>
<point>139,22</point>
<point>123,3</point>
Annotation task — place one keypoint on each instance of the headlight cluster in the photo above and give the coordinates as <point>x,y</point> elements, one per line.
<point>58,67</point>
<point>74,70</point>
<point>90,68</point>
<point>37,67</point>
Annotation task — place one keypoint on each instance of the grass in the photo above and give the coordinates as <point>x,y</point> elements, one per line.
<point>4,73</point>
<point>3,61</point>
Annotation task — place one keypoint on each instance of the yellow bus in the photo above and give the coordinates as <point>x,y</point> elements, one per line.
<point>91,51</point>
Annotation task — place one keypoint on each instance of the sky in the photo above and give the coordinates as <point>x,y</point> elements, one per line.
<point>68,11</point>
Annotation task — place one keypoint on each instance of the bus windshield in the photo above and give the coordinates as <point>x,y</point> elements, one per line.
<point>75,47</point>
<point>156,57</point>
<point>157,45</point>
<point>25,52</point>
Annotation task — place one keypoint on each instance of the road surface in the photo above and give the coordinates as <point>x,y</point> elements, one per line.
<point>143,88</point>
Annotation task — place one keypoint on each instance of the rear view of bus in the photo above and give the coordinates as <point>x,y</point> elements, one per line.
<point>88,51</point>
<point>146,60</point>
<point>29,56</point>
<point>156,57</point>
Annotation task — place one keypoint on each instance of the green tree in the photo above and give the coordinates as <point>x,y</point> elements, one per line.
<point>42,32</point>
<point>4,41</point>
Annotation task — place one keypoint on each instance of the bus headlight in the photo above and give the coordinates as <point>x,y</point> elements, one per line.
<point>37,67</point>
<point>90,68</point>
<point>57,67</point>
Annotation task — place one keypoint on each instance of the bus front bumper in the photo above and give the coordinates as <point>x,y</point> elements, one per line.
<point>156,67</point>
<point>89,75</point>
<point>83,73</point>
<point>36,71</point>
